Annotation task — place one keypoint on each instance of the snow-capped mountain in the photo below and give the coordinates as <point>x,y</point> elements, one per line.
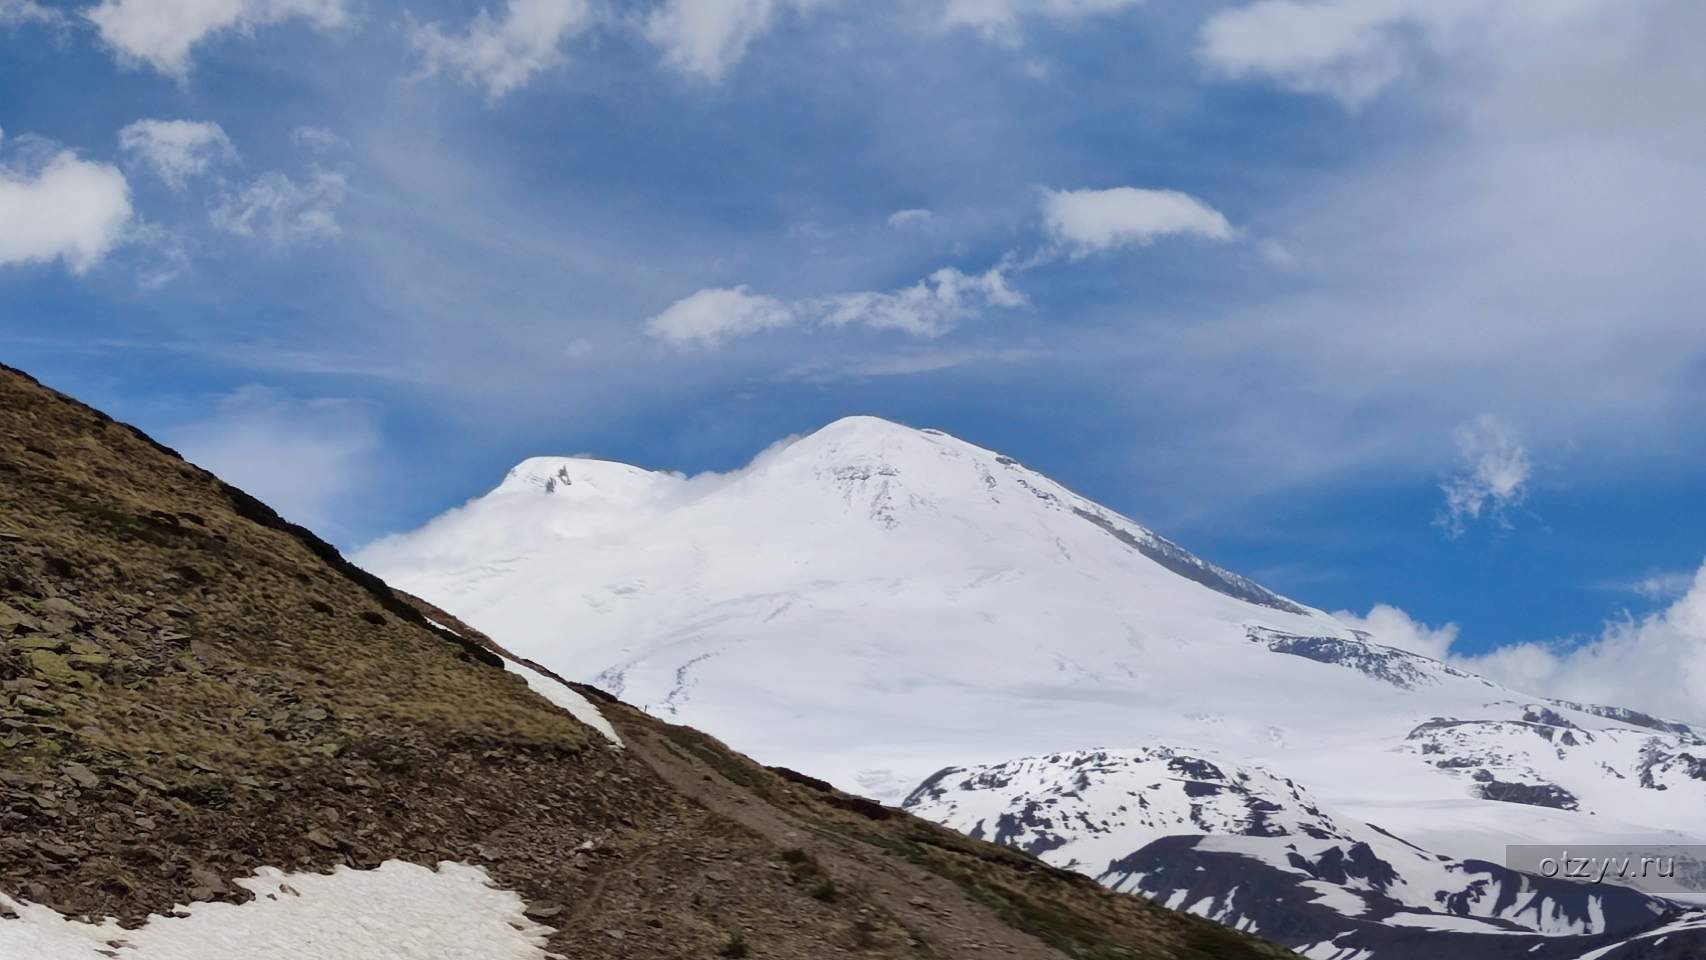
<point>874,603</point>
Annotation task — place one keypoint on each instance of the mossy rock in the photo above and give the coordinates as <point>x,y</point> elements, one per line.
<point>12,620</point>
<point>56,669</point>
<point>62,606</point>
<point>40,641</point>
<point>36,705</point>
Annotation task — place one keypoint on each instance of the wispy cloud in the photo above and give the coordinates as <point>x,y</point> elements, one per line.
<point>16,12</point>
<point>1002,20</point>
<point>1076,222</point>
<point>706,38</point>
<point>316,139</point>
<point>176,151</point>
<point>911,219</point>
<point>1493,476</point>
<point>928,308</point>
<point>908,363</point>
<point>284,211</point>
<point>504,52</point>
<point>1658,585</point>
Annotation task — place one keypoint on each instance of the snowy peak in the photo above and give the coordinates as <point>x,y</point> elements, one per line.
<point>581,478</point>
<point>882,476</point>
<point>882,472</point>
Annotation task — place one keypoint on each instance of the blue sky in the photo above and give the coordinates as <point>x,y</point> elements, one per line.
<point>1285,281</point>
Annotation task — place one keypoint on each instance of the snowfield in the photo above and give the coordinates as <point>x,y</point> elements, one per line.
<point>874,603</point>
<point>398,911</point>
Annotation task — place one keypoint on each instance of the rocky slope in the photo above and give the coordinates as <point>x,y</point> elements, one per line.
<point>198,699</point>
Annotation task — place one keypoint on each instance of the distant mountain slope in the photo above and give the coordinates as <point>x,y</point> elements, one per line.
<point>201,702</point>
<point>1259,853</point>
<point>874,603</point>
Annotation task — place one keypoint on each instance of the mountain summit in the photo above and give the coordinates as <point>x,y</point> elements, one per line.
<point>916,617</point>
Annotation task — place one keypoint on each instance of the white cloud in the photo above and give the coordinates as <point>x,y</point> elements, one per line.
<point>177,150</point>
<point>709,317</point>
<point>705,38</point>
<point>1000,20</point>
<point>304,458</point>
<point>928,308</point>
<point>1656,663</point>
<point>63,208</point>
<point>1087,221</point>
<point>161,33</point>
<point>1494,475</point>
<point>503,53</point>
<point>282,211</point>
<point>910,219</point>
<point>1395,628</point>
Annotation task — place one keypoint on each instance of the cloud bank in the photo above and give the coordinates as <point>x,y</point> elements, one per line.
<point>1655,663</point>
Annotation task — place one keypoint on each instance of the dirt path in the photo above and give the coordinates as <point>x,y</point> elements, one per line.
<point>944,920</point>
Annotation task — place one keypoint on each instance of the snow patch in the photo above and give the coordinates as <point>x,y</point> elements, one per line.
<point>399,911</point>
<point>564,696</point>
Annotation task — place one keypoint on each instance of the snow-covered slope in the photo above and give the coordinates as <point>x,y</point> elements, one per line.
<point>873,603</point>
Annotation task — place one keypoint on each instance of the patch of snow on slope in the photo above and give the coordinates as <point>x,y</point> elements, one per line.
<point>399,911</point>
<point>565,696</point>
